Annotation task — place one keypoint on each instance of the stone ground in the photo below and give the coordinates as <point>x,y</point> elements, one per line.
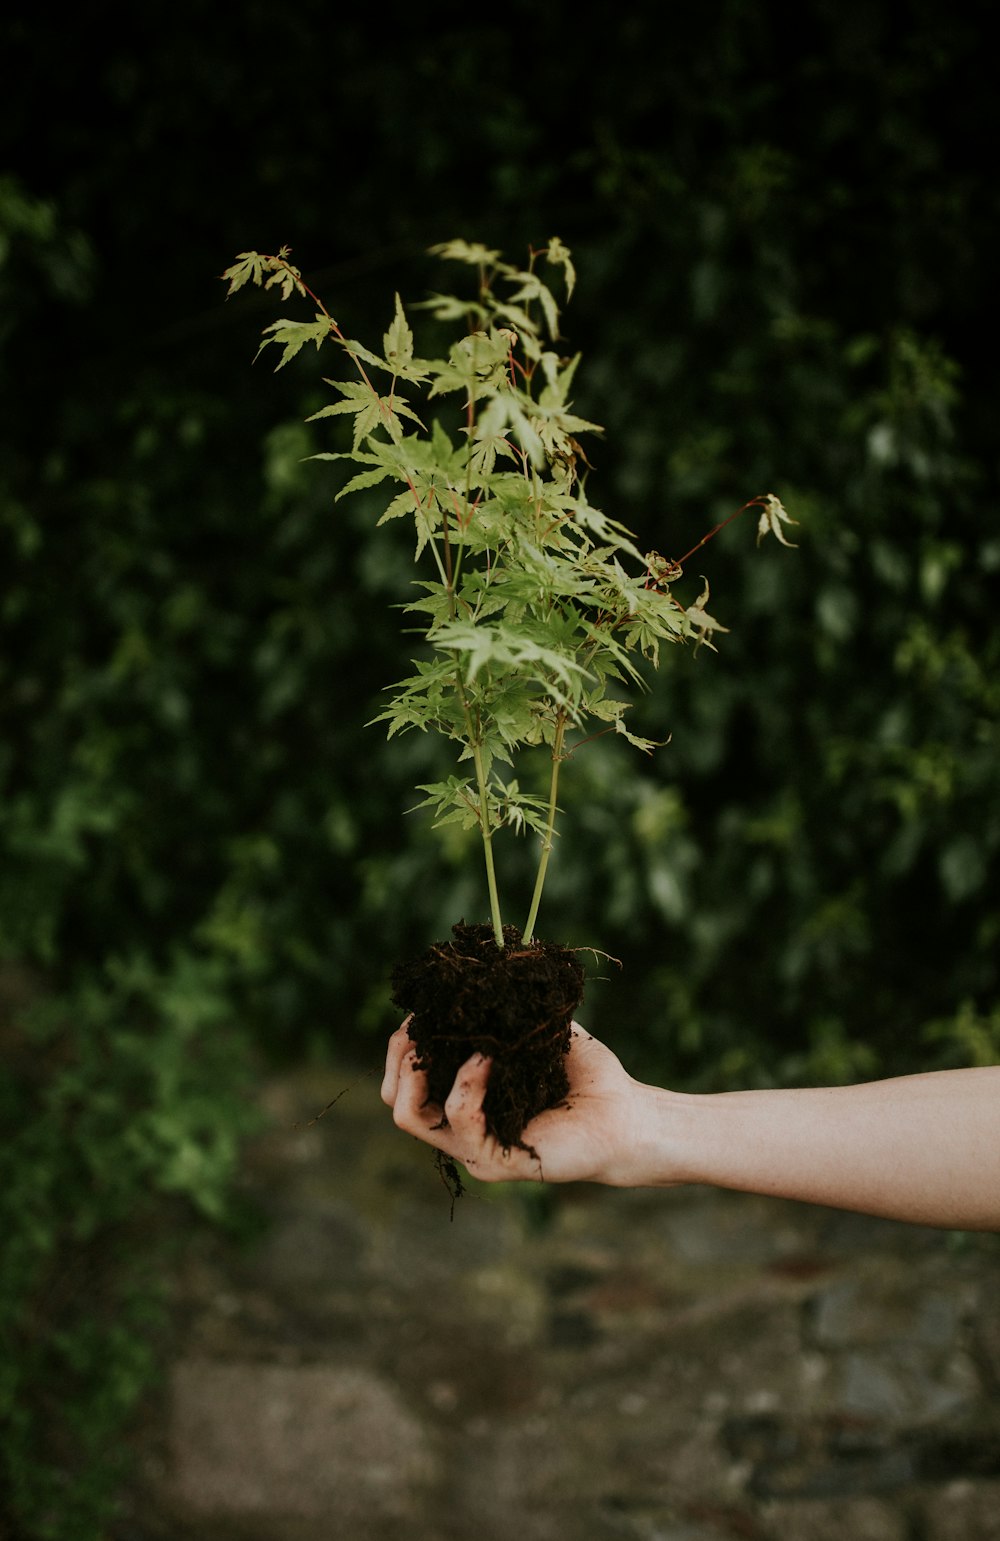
<point>574,1363</point>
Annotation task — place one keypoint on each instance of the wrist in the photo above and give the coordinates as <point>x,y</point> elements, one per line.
<point>654,1149</point>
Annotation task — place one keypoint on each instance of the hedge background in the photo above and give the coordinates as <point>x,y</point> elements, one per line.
<point>784,229</point>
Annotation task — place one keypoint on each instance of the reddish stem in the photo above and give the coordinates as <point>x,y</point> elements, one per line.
<point>753,503</point>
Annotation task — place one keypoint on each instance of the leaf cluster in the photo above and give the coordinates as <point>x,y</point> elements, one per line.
<point>537,610</point>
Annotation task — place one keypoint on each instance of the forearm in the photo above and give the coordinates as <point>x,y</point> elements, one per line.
<point>922,1148</point>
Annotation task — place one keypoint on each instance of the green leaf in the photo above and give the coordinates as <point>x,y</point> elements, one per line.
<point>365,479</point>
<point>293,336</point>
<point>532,289</point>
<point>517,320</point>
<point>398,341</point>
<point>559,254</point>
<point>249,267</point>
<point>772,517</point>
<point>520,811</point>
<point>618,537</point>
<point>454,802</point>
<point>485,449</point>
<point>447,307</point>
<point>472,252</point>
<point>504,412</point>
<point>287,279</point>
<point>402,504</point>
<point>359,354</point>
<point>698,618</point>
<point>504,647</point>
<point>427,699</point>
<point>397,366</point>
<point>370,410</point>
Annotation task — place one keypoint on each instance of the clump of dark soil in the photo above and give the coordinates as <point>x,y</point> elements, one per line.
<point>514,1004</point>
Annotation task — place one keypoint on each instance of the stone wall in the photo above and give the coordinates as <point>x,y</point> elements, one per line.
<point>578,1363</point>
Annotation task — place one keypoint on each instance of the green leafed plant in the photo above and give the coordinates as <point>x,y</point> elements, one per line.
<point>538,611</point>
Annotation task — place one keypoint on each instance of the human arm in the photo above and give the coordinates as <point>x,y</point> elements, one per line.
<point>923,1148</point>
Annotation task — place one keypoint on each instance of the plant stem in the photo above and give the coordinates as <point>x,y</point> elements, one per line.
<point>753,503</point>
<point>550,829</point>
<point>486,830</point>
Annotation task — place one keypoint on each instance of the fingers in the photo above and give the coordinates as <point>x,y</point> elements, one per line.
<point>398,1045</point>
<point>464,1107</point>
<point>459,1128</point>
<point>411,1109</point>
<point>460,1122</point>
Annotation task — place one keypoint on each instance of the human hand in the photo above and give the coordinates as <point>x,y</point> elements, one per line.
<point>595,1135</point>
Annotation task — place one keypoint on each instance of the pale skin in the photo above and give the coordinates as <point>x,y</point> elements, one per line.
<point>920,1148</point>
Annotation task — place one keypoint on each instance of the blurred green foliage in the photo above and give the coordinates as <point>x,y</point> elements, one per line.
<point>783,228</point>
<point>123,1105</point>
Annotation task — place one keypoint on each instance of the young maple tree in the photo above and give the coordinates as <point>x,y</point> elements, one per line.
<point>537,609</point>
